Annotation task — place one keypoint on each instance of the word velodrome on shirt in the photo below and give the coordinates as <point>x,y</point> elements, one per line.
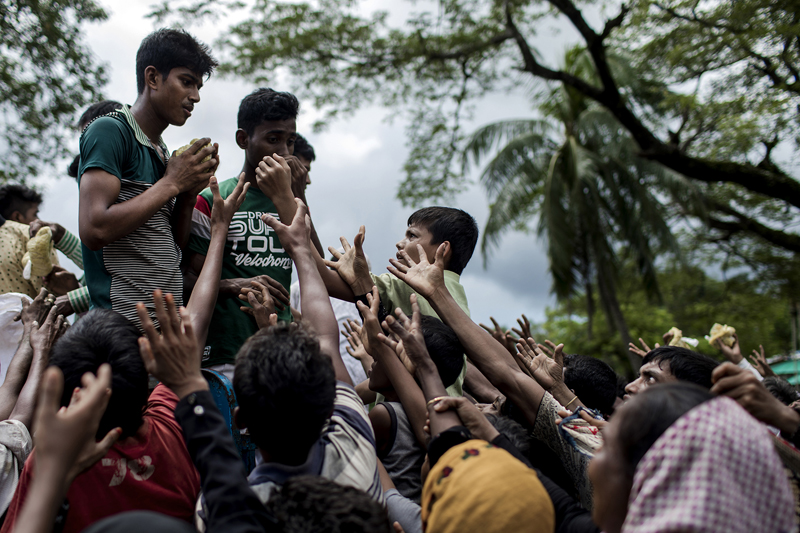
<point>248,231</point>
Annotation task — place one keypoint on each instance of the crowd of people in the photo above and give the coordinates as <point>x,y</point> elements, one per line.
<point>374,402</point>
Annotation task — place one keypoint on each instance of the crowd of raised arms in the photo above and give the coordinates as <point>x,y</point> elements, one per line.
<point>197,389</point>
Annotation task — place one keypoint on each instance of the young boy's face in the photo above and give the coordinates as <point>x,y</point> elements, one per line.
<point>177,94</point>
<point>416,234</point>
<point>271,137</point>
<point>29,213</point>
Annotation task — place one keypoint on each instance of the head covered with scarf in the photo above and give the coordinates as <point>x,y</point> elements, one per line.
<point>692,462</point>
<point>478,487</point>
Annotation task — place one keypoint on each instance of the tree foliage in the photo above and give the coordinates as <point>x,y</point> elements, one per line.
<point>46,74</point>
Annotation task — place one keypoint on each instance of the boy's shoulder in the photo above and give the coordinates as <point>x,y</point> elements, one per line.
<point>111,124</point>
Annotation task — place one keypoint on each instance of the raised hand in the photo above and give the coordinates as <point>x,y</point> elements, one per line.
<point>524,330</point>
<point>299,176</point>
<point>356,349</point>
<point>409,333</point>
<point>44,336</point>
<point>760,362</point>
<point>643,351</point>
<point>503,337</point>
<point>731,353</point>
<point>56,230</point>
<point>548,372</point>
<point>60,281</point>
<point>274,176</point>
<point>174,356</point>
<point>295,238</point>
<point>262,306</point>
<point>371,327</point>
<point>424,277</point>
<point>352,265</point>
<point>223,209</point>
<point>36,310</point>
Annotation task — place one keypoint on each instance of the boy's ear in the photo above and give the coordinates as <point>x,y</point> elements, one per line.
<point>448,252</point>
<point>152,78</point>
<point>238,419</point>
<point>16,216</point>
<point>242,139</point>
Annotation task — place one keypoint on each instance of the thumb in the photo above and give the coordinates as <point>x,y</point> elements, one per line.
<point>108,441</point>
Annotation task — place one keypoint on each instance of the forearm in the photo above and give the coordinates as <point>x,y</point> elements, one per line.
<point>207,285</point>
<point>26,402</point>
<point>432,387</point>
<point>103,225</point>
<point>44,498</point>
<point>15,376</point>
<point>182,219</point>
<point>566,397</point>
<point>489,356</point>
<point>411,396</point>
<point>318,311</point>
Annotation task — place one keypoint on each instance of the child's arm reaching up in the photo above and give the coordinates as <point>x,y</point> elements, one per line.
<point>317,309</point>
<point>204,296</point>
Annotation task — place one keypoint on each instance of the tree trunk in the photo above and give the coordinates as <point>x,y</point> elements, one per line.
<point>617,321</point>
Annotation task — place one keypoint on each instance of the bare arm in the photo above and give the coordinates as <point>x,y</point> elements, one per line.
<point>204,295</point>
<point>316,305</point>
<point>102,221</point>
<point>488,355</point>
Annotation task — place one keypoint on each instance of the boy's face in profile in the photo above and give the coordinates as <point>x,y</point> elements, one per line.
<point>416,234</point>
<point>176,95</point>
<point>271,137</point>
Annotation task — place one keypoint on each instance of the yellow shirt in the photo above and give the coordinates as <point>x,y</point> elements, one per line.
<point>14,239</point>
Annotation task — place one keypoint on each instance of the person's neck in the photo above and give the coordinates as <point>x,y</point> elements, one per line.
<point>249,174</point>
<point>391,395</point>
<point>147,119</point>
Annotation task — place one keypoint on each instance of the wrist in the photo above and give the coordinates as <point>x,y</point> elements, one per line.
<point>362,285</point>
<point>788,421</point>
<point>194,384</point>
<point>58,233</point>
<point>166,187</point>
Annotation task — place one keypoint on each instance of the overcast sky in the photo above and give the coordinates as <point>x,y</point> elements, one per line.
<point>356,174</point>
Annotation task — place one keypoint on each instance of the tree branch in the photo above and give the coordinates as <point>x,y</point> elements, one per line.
<point>743,223</point>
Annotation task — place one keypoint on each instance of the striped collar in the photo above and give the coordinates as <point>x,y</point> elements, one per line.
<point>125,111</point>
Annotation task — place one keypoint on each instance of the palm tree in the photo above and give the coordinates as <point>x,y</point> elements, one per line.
<point>597,202</point>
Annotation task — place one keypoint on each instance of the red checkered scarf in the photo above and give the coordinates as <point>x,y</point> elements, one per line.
<point>714,469</point>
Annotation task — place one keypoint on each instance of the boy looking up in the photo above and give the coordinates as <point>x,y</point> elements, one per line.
<point>253,253</point>
<point>135,201</point>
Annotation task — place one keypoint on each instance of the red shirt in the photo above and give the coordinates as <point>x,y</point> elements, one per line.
<point>149,471</point>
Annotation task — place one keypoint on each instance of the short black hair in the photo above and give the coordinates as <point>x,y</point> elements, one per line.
<point>649,414</point>
<point>453,225</point>
<point>684,364</point>
<point>444,348</point>
<point>303,149</point>
<point>511,430</point>
<point>285,388</point>
<point>314,504</point>
<point>92,112</point>
<point>17,197</point>
<point>781,389</point>
<point>592,380</point>
<point>166,49</point>
<point>264,105</point>
<point>105,336</point>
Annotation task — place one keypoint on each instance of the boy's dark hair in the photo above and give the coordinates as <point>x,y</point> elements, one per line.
<point>649,414</point>
<point>105,336</point>
<point>17,197</point>
<point>303,149</point>
<point>444,348</point>
<point>684,364</point>
<point>95,110</point>
<point>781,389</point>
<point>314,504</point>
<point>285,388</point>
<point>592,380</point>
<point>166,49</point>
<point>265,105</point>
<point>449,224</point>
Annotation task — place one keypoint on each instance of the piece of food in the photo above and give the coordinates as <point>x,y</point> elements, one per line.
<point>38,260</point>
<point>721,333</point>
<point>680,341</point>
<point>182,149</point>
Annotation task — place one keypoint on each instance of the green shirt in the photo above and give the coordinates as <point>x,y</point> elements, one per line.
<point>252,249</point>
<point>129,269</point>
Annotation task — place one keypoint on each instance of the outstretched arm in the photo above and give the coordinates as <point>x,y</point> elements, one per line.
<point>204,296</point>
<point>316,304</point>
<point>488,355</point>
